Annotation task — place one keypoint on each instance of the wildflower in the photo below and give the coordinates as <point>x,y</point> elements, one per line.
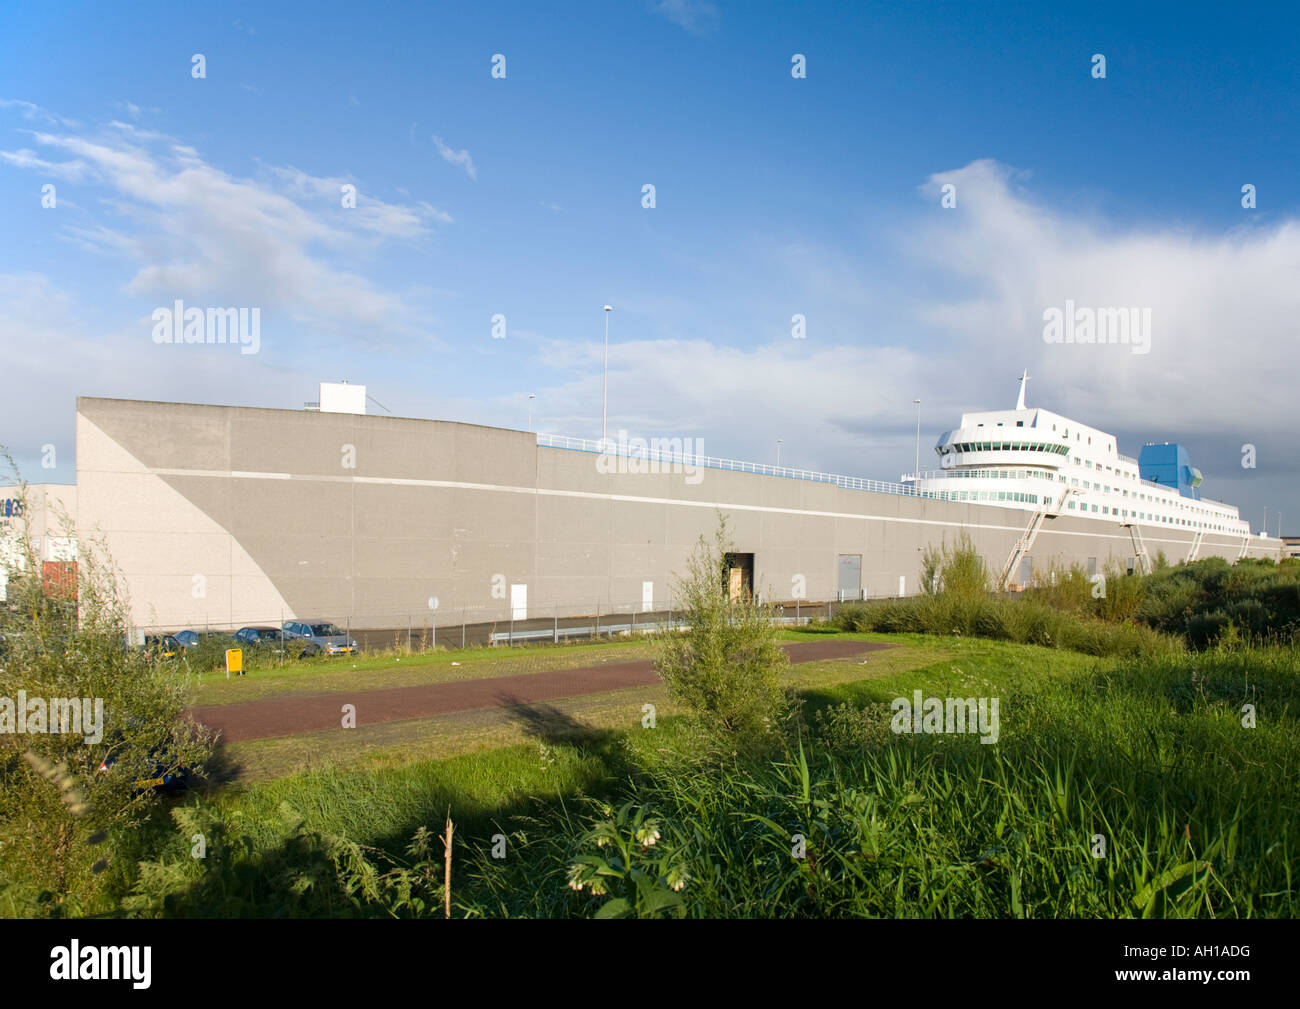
<point>647,833</point>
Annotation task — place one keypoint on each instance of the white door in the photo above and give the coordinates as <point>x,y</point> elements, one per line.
<point>519,602</point>
<point>647,596</point>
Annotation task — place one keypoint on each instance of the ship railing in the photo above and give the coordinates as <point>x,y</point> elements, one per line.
<point>654,451</point>
<point>977,474</point>
<point>1199,500</point>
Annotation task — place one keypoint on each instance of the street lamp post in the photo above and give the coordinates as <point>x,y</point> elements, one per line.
<point>604,385</point>
<point>531,396</point>
<point>778,453</point>
<point>917,471</point>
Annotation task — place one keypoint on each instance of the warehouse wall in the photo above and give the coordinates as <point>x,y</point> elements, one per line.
<point>227,516</point>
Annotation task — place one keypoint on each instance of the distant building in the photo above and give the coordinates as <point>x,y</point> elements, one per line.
<point>48,513</point>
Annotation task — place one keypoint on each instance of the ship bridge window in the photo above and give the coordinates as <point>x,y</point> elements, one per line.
<point>1020,423</point>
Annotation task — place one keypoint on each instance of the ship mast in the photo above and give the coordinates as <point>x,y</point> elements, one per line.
<point>1020,403</point>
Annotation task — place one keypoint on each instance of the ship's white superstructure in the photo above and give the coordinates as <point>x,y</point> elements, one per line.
<point>1041,461</point>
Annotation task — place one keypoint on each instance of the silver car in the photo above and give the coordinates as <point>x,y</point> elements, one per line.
<point>320,637</point>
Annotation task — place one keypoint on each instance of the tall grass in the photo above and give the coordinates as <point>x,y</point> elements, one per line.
<point>1125,794</point>
<point>1116,789</point>
<point>1018,620</point>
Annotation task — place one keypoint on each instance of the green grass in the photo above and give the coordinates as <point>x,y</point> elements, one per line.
<point>1196,811</point>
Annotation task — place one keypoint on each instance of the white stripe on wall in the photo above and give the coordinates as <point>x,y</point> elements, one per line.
<point>635,499</point>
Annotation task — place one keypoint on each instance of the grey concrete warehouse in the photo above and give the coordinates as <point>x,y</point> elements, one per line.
<point>228,516</point>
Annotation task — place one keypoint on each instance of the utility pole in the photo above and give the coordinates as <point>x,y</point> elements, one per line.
<point>917,471</point>
<point>604,384</point>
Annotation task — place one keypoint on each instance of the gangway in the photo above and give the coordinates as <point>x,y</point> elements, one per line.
<point>1054,508</point>
<point>1022,546</point>
<point>1197,540</point>
<point>1139,548</point>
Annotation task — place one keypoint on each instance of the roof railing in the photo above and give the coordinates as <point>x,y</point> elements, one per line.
<point>655,451</point>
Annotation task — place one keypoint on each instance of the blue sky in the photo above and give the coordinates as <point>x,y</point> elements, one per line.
<point>775,196</point>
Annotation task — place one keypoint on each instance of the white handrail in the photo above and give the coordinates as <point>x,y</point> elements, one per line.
<point>652,453</point>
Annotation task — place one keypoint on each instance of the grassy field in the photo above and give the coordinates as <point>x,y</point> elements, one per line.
<point>394,743</point>
<point>1195,811</point>
<point>512,736</point>
<point>510,773</point>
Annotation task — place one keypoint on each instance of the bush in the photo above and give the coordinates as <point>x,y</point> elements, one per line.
<point>957,571</point>
<point>727,666</point>
<point>62,822</point>
<point>1024,621</point>
<point>1261,600</point>
<point>1069,589</point>
<point>1123,594</point>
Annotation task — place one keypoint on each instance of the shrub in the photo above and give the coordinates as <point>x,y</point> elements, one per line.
<point>1069,589</point>
<point>1123,595</point>
<point>62,822</point>
<point>956,571</point>
<point>726,667</point>
<point>844,728</point>
<point>855,617</point>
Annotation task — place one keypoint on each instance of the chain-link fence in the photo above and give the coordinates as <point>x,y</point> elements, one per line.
<point>500,624</point>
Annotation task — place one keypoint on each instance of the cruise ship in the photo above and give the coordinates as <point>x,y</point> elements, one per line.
<point>1040,461</point>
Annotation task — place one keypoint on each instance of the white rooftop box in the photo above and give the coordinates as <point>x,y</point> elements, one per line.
<point>340,397</point>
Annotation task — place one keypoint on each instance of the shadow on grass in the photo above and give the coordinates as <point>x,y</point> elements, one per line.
<point>307,873</point>
<point>550,725</point>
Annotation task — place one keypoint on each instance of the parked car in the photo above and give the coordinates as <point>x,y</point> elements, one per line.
<point>271,638</point>
<point>187,638</point>
<point>328,638</point>
<point>161,777</point>
<point>162,646</point>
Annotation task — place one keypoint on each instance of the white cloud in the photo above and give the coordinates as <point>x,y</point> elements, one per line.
<point>34,113</point>
<point>460,157</point>
<point>57,347</point>
<point>698,17</point>
<point>1223,304</point>
<point>197,232</point>
<point>955,326</point>
<point>74,171</point>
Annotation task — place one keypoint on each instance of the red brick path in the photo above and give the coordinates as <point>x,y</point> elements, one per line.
<point>290,716</point>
